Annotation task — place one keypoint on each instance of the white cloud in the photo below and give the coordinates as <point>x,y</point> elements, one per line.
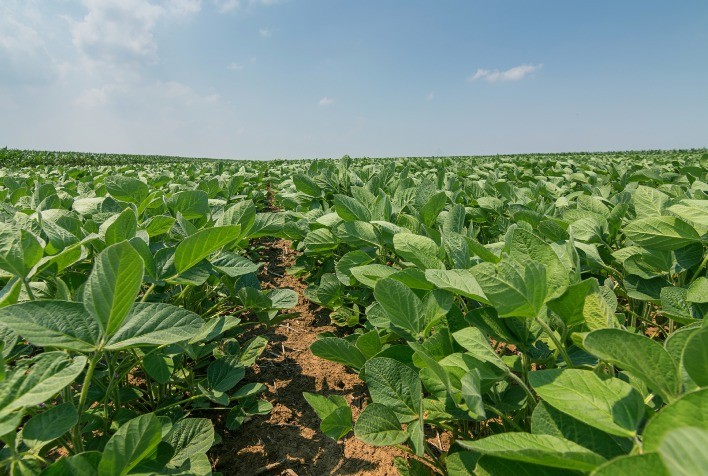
<point>93,97</point>
<point>326,101</point>
<point>265,32</point>
<point>225,6</point>
<point>236,67</point>
<point>183,7</point>
<point>118,31</point>
<point>430,96</point>
<point>514,74</point>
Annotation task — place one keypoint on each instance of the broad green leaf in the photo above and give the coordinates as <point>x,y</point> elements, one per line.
<point>60,324</point>
<point>306,185</point>
<point>643,357</point>
<point>155,324</point>
<point>234,265</point>
<point>369,344</point>
<point>338,350</point>
<point>190,203</point>
<point>691,410</point>
<point>582,303</point>
<point>683,451</point>
<point>120,227</point>
<point>395,385</point>
<point>128,189</point>
<point>200,245</point>
<point>322,405</point>
<point>49,425</point>
<point>419,250</point>
<point>19,251</point>
<point>378,426</point>
<point>34,381</point>
<point>10,292</point>
<point>544,450</point>
<point>525,246</point>
<point>649,202</point>
<point>634,465</point>
<point>133,442</point>
<point>458,281</point>
<point>512,293</point>
<point>370,274</point>
<point>493,466</point>
<point>351,209</point>
<point>546,420</point>
<point>401,305</point>
<point>82,464</point>
<point>695,357</point>
<point>611,405</point>
<point>189,437</point>
<point>698,291</point>
<point>158,366</point>
<point>477,344</point>
<point>112,285</point>
<point>242,214</point>
<point>223,374</point>
<point>463,463</point>
<point>432,208</point>
<point>661,233</point>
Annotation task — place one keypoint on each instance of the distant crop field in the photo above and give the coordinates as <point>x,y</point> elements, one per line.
<point>534,314</point>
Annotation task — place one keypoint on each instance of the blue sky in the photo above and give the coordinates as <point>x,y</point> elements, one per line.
<point>264,79</point>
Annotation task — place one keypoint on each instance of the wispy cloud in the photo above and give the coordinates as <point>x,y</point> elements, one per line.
<point>516,73</point>
<point>265,32</point>
<point>430,96</point>
<point>326,101</point>
<point>226,6</point>
<point>235,67</point>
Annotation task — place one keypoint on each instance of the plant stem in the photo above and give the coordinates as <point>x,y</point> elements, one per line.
<point>29,289</point>
<point>523,385</point>
<point>559,346</point>
<point>148,292</point>
<point>700,268</point>
<point>78,443</point>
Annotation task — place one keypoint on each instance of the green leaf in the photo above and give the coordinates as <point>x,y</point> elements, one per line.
<point>525,247</point>
<point>661,233</point>
<point>683,451</point>
<point>19,251</point>
<point>634,465</point>
<point>252,350</point>
<point>189,438</point>
<point>338,350</point>
<point>190,203</point>
<point>370,274</point>
<point>477,344</point>
<point>698,291</point>
<point>128,189</point>
<point>512,293</point>
<point>120,227</point>
<point>305,184</point>
<point>201,244</point>
<point>419,250</point>
<point>691,410</point>
<point>611,405</point>
<point>546,420</point>
<point>82,464</point>
<point>395,385</point>
<point>637,354</point>
<point>158,366</point>
<point>695,357</point>
<point>432,208</point>
<point>133,442</point>
<point>234,265</point>
<point>544,450</point>
<point>34,381</point>
<point>351,209</point>
<point>458,281</point>
<point>338,424</point>
<point>649,202</point>
<point>378,426</point>
<point>582,303</point>
<point>49,425</point>
<point>493,466</point>
<point>401,305</point>
<point>60,324</point>
<point>223,374</point>
<point>112,285</point>
<point>155,324</point>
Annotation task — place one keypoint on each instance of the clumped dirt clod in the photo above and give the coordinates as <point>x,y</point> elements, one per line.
<point>288,442</point>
